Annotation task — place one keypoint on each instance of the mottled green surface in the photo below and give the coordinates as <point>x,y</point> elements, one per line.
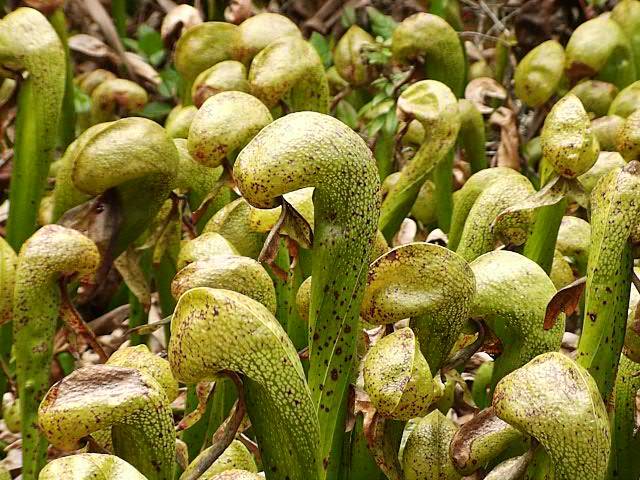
<point>426,453</point>
<point>204,45</point>
<point>599,47</point>
<point>606,162</point>
<point>229,75</point>
<point>237,475</point>
<point>290,70</point>
<point>432,38</point>
<point>128,400</point>
<point>464,198</point>
<point>224,124</point>
<point>512,297</point>
<point>477,235</point>
<point>179,120</point>
<point>627,14</point>
<point>574,240</point>
<point>192,176</point>
<point>596,96</point>
<point>397,376</point>
<point>236,456</point>
<point>628,137</point>
<point>568,143</point>
<point>556,401</point>
<point>605,129</point>
<point>427,283</point>
<point>231,272</point>
<point>8,261</point>
<point>433,105</point>
<point>310,149</point>
<point>134,157</point>
<point>624,461</point>
<point>472,135</point>
<point>561,272</point>
<point>349,56</point>
<point>90,466</point>
<point>51,253</point>
<point>204,247</point>
<point>258,31</point>
<point>628,100</point>
<point>116,98</point>
<point>217,330</point>
<point>29,42</point>
<point>538,74</point>
<point>615,208</point>
<point>233,222</point>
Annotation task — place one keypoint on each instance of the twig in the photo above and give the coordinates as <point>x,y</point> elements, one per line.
<point>223,436</point>
<point>75,322</point>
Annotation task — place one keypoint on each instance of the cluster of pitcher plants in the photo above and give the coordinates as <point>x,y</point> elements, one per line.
<point>344,284</point>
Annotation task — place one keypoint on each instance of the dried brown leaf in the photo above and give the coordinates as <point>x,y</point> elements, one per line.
<point>486,93</point>
<point>565,300</point>
<point>508,151</point>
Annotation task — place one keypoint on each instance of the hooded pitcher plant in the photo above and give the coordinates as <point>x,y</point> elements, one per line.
<point>8,261</point>
<point>481,440</point>
<point>258,31</point>
<point>464,199</point>
<point>278,399</point>
<point>224,124</point>
<point>29,43</point>
<point>627,14</point>
<point>90,466</point>
<point>599,48</point>
<point>349,58</point>
<point>51,254</point>
<point>615,207</point>
<point>133,159</point>
<point>116,98</point>
<point>571,149</point>
<point>512,297</point>
<point>627,101</point>
<point>557,402</point>
<point>229,75</point>
<point>128,400</point>
<point>201,47</point>
<point>290,71</point>
<point>433,105</point>
<point>485,199</point>
<point>432,38</point>
<point>538,74</point>
<point>429,284</point>
<point>310,149</point>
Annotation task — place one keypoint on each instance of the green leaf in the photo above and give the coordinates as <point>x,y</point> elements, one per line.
<point>323,47</point>
<point>171,83</point>
<point>155,110</point>
<point>131,44</point>
<point>347,114</point>
<point>149,40</point>
<point>348,17</point>
<point>156,58</point>
<point>375,125</point>
<point>382,25</point>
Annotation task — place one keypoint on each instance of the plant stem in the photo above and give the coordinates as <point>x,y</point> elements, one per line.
<point>67,127</point>
<point>137,317</point>
<point>540,245</point>
<point>119,13</point>
<point>443,179</point>
<point>28,173</point>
